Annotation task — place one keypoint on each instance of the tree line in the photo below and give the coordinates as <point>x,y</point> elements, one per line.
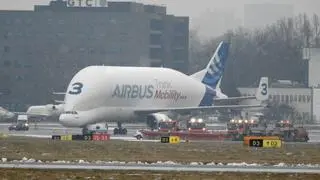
<point>274,51</point>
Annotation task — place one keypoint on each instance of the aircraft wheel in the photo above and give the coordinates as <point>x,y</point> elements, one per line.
<point>116,131</point>
<point>124,131</point>
<point>139,137</point>
<point>85,131</point>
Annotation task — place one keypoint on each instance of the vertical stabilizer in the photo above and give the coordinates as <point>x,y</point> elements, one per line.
<point>262,92</point>
<point>213,72</point>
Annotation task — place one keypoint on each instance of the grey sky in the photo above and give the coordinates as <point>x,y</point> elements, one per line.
<point>202,13</point>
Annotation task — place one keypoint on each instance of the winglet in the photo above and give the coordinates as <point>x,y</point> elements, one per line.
<point>262,92</point>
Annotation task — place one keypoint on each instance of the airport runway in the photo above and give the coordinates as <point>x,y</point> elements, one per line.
<point>46,130</point>
<point>166,167</point>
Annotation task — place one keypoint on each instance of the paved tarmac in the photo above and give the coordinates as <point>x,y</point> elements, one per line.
<point>164,167</point>
<point>46,130</point>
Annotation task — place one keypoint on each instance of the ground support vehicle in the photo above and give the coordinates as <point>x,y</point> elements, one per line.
<point>195,129</point>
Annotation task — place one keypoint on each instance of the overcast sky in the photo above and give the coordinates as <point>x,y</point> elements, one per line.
<point>201,12</point>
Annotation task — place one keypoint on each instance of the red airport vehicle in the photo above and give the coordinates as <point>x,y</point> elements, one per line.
<point>194,129</point>
<point>284,129</point>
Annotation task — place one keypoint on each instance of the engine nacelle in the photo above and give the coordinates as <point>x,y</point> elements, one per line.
<point>52,107</point>
<point>155,118</point>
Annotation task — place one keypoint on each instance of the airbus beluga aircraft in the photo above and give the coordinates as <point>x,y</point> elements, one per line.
<point>112,93</point>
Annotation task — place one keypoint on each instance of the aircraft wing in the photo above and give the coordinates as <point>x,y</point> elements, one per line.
<point>188,109</point>
<point>19,113</point>
<point>236,98</point>
<point>32,114</point>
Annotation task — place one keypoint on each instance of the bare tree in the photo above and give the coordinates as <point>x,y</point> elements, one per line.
<point>274,51</point>
<point>316,30</point>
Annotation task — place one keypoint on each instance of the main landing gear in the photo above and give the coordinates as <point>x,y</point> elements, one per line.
<point>120,130</point>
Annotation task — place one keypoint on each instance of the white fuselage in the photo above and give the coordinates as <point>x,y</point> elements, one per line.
<point>48,111</point>
<point>110,93</point>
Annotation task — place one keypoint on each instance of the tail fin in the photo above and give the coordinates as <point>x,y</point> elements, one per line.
<point>212,74</point>
<point>219,83</point>
<point>262,92</point>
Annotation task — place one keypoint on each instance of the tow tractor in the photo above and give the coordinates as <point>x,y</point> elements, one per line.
<point>21,125</point>
<point>284,129</point>
<point>237,129</point>
<point>288,132</point>
<point>193,129</point>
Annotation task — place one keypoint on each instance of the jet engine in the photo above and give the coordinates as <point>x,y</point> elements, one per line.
<point>52,107</point>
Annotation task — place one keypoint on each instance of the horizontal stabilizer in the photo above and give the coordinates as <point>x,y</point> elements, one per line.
<point>59,93</point>
<point>20,113</point>
<point>236,98</point>
<point>262,92</point>
<point>59,101</point>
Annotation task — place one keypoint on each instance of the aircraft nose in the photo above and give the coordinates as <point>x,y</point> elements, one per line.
<point>68,119</point>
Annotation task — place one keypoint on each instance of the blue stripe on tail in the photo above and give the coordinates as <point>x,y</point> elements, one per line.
<point>217,65</point>
<point>207,99</point>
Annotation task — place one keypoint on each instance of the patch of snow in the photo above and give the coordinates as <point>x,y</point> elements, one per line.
<point>31,160</point>
<point>99,162</point>
<point>170,162</point>
<point>280,165</point>
<point>83,162</point>
<point>4,159</point>
<point>242,164</point>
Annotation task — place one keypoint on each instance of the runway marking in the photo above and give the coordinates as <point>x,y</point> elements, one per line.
<point>112,137</point>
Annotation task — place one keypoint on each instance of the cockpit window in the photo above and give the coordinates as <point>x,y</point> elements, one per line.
<point>71,112</point>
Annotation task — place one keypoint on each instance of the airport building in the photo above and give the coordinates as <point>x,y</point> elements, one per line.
<point>41,50</point>
<point>299,98</point>
<point>304,99</point>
